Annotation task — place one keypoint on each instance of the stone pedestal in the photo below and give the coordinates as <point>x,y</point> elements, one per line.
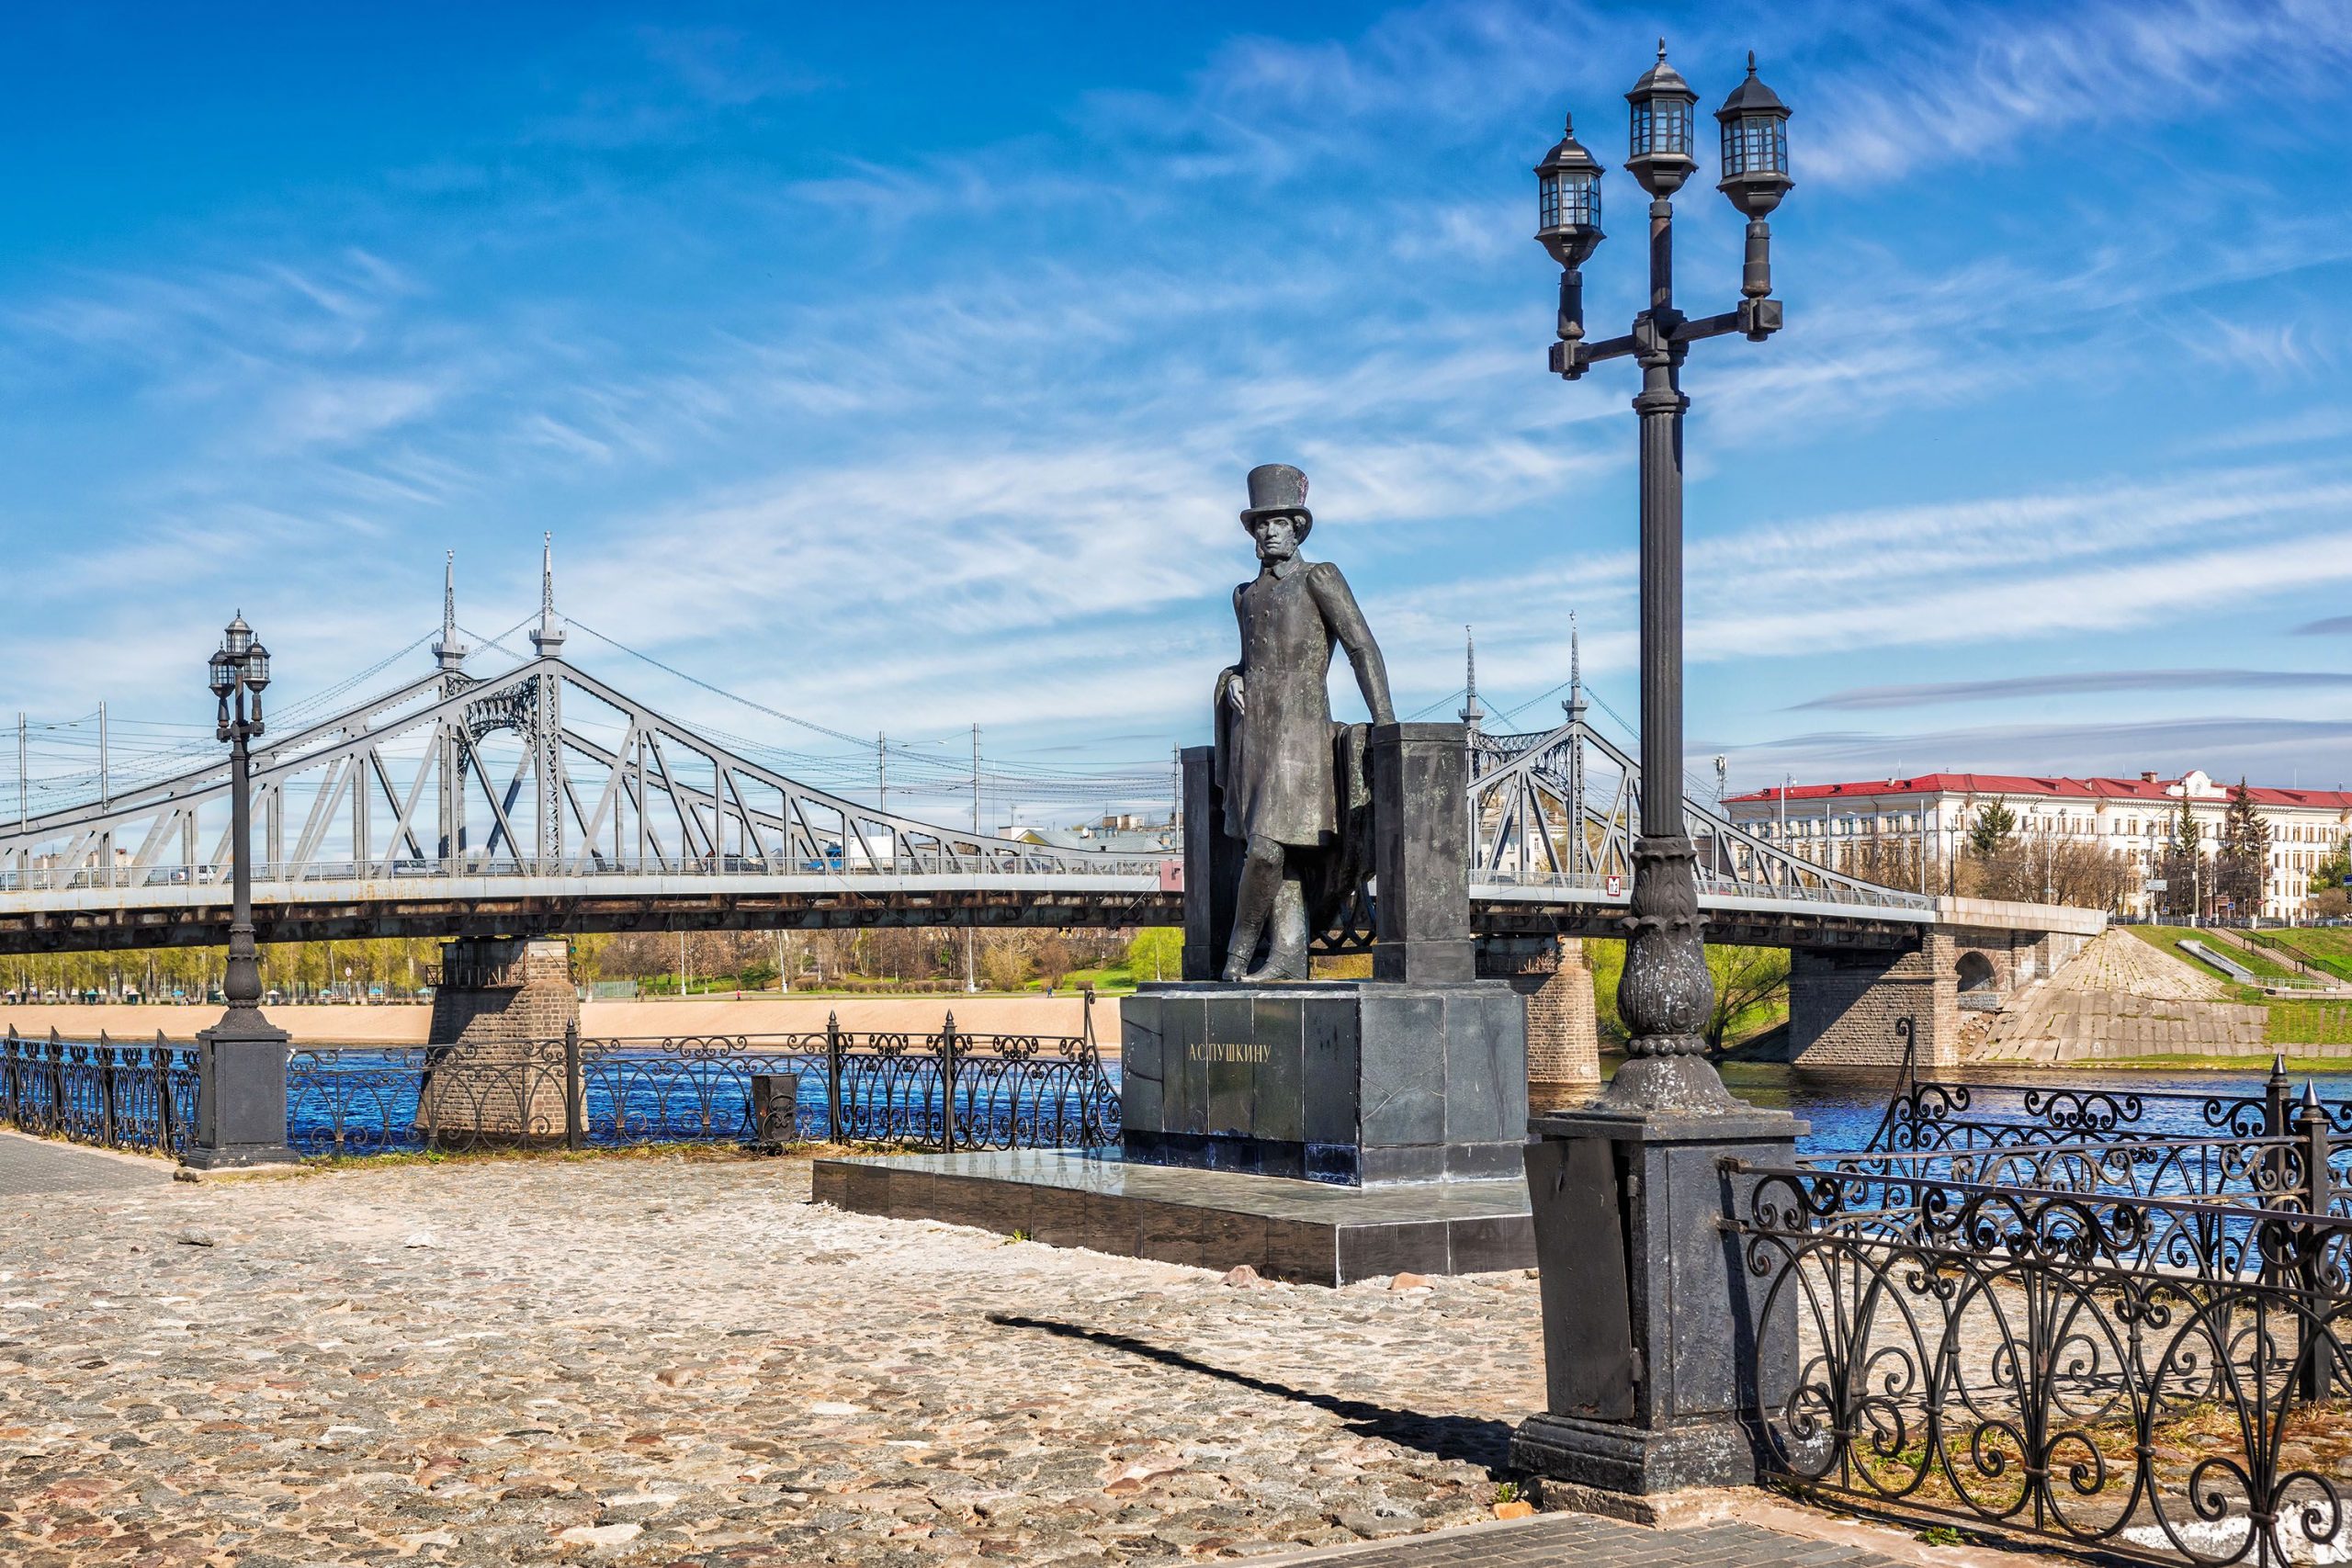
<point>1420,802</point>
<point>1355,1082</point>
<point>495,1071</point>
<point>241,1094</point>
<point>1650,1344</point>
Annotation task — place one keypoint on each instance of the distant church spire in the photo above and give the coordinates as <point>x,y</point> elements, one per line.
<point>1471,712</point>
<point>450,651</point>
<point>548,639</point>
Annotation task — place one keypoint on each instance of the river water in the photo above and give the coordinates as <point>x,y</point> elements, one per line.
<point>1843,1115</point>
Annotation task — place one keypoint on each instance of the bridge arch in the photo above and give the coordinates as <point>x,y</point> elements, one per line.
<point>1975,973</point>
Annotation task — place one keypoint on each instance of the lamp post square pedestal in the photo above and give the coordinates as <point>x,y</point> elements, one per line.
<point>241,1094</point>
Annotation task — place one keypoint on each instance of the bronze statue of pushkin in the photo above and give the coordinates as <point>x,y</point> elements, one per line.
<point>1291,777</point>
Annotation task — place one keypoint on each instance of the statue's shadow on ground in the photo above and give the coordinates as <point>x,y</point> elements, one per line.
<point>1464,1438</point>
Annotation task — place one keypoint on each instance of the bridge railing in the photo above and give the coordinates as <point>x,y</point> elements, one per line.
<point>992,863</point>
<point>1709,884</point>
<point>943,1089</point>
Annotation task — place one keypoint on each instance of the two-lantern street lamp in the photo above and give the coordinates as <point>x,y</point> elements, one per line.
<point>240,1085</point>
<point>1666,993</point>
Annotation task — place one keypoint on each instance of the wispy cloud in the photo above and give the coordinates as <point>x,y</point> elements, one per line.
<point>1959,82</point>
<point>1927,694</point>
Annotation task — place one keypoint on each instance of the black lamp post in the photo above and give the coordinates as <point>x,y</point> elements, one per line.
<point>1652,1352</point>
<point>1666,993</point>
<point>241,1094</point>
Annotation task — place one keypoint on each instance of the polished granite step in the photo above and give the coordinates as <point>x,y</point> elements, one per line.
<point>1307,1231</point>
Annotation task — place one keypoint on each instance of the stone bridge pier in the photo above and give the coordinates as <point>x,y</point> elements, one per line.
<point>1845,1003</point>
<point>495,1068</point>
<point>1554,978</point>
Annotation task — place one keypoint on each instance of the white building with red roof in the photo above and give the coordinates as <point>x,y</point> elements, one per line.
<point>1827,823</point>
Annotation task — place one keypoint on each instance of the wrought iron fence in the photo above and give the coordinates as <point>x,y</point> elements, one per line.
<point>2131,1344</point>
<point>1931,1114</point>
<point>948,1089</point>
<point>118,1095</point>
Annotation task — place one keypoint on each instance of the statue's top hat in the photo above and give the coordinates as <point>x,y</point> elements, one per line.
<point>1278,487</point>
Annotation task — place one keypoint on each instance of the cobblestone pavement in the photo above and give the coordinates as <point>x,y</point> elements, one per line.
<point>29,1166</point>
<point>662,1360</point>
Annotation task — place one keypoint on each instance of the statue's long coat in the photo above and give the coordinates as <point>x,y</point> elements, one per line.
<point>1282,761</point>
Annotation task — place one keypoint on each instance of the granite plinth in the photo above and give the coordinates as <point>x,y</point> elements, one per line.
<point>1636,1460</point>
<point>1305,1231</point>
<point>1360,1083</point>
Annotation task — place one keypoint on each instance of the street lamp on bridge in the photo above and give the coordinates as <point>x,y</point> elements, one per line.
<point>241,1094</point>
<point>1666,992</point>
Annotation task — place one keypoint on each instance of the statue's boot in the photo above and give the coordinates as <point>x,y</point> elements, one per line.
<point>1253,902</point>
<point>1286,956</point>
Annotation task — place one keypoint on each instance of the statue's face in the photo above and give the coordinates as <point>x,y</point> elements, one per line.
<point>1277,535</point>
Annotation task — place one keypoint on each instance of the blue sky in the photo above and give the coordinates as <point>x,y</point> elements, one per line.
<point>897,367</point>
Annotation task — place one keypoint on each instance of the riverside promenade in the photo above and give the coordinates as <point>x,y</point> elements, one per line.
<point>658,1359</point>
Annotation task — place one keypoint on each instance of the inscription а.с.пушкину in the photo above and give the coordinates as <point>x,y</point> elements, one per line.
<point>1229,1051</point>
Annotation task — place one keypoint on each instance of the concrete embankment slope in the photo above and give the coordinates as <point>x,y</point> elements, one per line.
<point>2121,998</point>
<point>409,1024</point>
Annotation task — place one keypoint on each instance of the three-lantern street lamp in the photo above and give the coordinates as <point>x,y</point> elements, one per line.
<point>240,1086</point>
<point>1666,993</point>
<point>240,671</point>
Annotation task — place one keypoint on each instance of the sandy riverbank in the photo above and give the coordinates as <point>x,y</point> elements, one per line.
<point>408,1023</point>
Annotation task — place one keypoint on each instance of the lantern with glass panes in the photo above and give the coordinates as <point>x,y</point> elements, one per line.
<point>1568,220</point>
<point>1756,169</point>
<point>1662,152</point>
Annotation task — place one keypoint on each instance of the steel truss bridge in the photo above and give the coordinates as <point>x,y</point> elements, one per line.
<point>543,800</point>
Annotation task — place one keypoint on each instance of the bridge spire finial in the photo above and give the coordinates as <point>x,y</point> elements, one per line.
<point>1575,705</point>
<point>450,651</point>
<point>548,639</point>
<point>1471,712</point>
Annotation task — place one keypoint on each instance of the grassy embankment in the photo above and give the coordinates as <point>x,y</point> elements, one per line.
<point>2328,948</point>
<point>2292,1020</point>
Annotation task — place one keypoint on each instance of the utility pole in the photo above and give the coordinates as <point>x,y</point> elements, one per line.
<point>23,813</point>
<point>971,969</point>
<point>881,770</point>
<point>682,966</point>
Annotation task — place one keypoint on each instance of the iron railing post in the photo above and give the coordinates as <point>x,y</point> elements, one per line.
<point>833,1078</point>
<point>947,1084</point>
<point>575,1119</point>
<point>56,1083</point>
<point>2312,1377</point>
<point>10,1094</point>
<point>106,1090</point>
<point>2278,1124</point>
<point>160,1053</point>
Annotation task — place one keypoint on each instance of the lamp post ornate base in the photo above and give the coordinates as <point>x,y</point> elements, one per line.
<point>1666,992</point>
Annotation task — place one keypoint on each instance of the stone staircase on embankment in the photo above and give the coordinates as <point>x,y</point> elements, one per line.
<point>2120,999</point>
